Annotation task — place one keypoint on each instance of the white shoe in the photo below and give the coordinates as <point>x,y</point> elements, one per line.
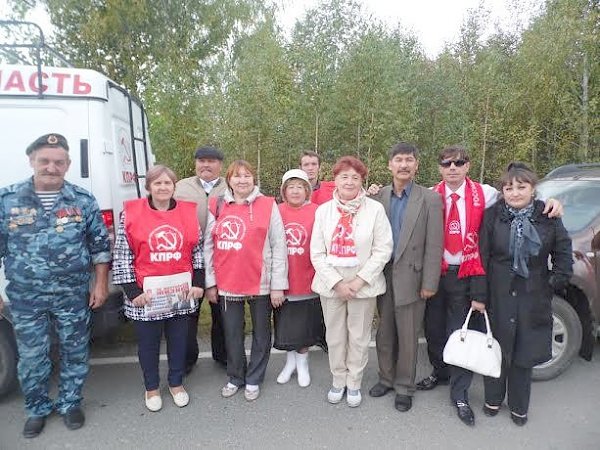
<point>335,395</point>
<point>353,398</point>
<point>288,369</point>
<point>153,403</point>
<point>181,398</point>
<point>251,394</point>
<point>302,366</point>
<point>229,390</point>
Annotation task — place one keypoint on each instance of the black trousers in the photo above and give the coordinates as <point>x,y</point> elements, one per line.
<point>445,313</point>
<point>239,371</point>
<point>518,381</point>
<point>217,336</point>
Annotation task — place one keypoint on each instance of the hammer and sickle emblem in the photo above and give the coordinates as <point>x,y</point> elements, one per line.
<point>294,237</point>
<point>232,230</point>
<point>166,241</point>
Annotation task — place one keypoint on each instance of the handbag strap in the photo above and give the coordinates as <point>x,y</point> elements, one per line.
<point>488,329</point>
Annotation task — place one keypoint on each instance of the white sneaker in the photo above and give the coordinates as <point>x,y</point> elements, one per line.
<point>181,398</point>
<point>302,366</point>
<point>289,368</point>
<point>335,395</point>
<point>252,393</point>
<point>229,390</point>
<point>153,403</point>
<point>353,398</point>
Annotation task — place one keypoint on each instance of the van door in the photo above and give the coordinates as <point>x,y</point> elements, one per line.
<point>24,120</point>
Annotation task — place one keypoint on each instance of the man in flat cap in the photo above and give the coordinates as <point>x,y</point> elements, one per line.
<point>206,183</point>
<point>51,239</point>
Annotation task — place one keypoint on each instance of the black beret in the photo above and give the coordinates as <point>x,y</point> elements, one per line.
<point>209,153</point>
<point>48,140</point>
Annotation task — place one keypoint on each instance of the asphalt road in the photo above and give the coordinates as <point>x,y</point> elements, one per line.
<point>563,415</point>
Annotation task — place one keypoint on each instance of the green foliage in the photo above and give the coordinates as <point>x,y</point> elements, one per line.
<point>221,72</point>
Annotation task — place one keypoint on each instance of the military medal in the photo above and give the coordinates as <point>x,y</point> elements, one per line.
<point>60,229</point>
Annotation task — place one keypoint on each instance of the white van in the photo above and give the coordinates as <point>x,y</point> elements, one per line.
<point>107,132</point>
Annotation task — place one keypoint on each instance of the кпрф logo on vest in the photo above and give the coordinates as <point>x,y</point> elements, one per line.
<point>231,231</point>
<point>165,244</point>
<point>295,237</point>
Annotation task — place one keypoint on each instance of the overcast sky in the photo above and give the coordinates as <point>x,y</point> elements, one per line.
<point>435,22</point>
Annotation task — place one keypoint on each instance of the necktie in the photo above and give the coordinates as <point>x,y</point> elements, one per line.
<point>453,238</point>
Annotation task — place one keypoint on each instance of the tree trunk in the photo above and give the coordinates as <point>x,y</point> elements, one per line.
<point>585,107</point>
<point>485,131</point>
<point>317,132</point>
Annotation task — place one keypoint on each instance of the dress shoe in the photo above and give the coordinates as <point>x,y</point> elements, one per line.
<point>379,390</point>
<point>34,426</point>
<point>180,398</point>
<point>518,420</point>
<point>429,383</point>
<point>153,403</point>
<point>74,418</point>
<point>489,411</point>
<point>465,413</point>
<point>403,402</point>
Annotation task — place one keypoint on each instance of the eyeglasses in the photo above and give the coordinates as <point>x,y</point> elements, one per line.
<point>457,163</point>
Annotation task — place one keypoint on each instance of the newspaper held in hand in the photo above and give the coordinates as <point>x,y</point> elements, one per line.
<point>168,293</point>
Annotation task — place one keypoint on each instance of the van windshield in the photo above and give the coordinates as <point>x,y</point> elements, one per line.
<point>580,198</point>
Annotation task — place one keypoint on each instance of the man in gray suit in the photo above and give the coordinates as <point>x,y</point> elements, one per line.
<point>412,275</point>
<point>206,183</point>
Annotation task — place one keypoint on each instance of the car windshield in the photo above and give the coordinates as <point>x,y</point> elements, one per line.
<point>580,198</point>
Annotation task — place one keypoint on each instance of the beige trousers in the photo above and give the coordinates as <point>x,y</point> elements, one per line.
<point>348,333</point>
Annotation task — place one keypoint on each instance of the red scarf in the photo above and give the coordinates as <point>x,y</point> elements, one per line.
<point>470,264</point>
<point>342,252</point>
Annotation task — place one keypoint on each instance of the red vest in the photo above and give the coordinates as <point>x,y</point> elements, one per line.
<point>324,193</point>
<point>161,241</point>
<point>239,238</point>
<point>298,224</point>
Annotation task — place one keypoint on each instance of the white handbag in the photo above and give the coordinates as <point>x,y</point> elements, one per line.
<point>473,350</point>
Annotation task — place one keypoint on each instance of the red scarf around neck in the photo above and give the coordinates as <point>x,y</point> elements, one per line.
<point>470,264</point>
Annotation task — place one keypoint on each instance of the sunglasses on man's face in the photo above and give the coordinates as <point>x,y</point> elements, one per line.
<point>457,163</point>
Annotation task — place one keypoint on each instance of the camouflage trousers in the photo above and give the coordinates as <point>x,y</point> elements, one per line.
<point>35,314</point>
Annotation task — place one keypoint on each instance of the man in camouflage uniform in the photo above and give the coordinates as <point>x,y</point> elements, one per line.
<point>51,234</point>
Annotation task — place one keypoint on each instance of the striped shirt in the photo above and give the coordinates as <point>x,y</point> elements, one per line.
<point>48,198</point>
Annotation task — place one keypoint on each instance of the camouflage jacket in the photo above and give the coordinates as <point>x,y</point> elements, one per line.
<point>39,247</point>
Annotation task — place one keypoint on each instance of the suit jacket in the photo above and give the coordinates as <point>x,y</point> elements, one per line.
<point>418,254</point>
<point>191,189</point>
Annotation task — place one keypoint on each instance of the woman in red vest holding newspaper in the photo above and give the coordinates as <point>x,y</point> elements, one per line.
<point>158,262</point>
<point>299,321</point>
<point>246,261</point>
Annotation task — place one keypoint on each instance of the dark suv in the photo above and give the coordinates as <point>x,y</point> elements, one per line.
<point>576,310</point>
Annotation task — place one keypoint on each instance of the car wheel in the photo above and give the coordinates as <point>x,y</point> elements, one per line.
<point>8,358</point>
<point>566,340</point>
